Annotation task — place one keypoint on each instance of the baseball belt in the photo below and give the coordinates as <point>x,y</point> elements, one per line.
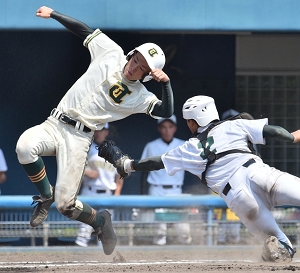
<point>97,190</point>
<point>227,187</point>
<point>168,186</point>
<point>67,120</point>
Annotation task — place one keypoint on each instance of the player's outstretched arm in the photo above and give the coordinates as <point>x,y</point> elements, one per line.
<point>75,26</point>
<point>149,164</point>
<point>145,165</point>
<point>278,132</point>
<point>124,164</point>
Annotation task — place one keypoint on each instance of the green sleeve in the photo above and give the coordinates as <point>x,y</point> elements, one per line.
<point>165,107</point>
<point>148,164</point>
<point>75,26</point>
<point>278,133</point>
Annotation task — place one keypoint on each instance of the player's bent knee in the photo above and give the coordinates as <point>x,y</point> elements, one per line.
<point>252,212</point>
<point>246,206</point>
<point>65,208</point>
<point>24,152</point>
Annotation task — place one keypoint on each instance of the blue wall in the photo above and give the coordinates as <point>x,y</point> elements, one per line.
<point>171,15</point>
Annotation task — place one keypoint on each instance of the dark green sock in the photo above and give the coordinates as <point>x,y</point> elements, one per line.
<point>37,174</point>
<point>90,216</point>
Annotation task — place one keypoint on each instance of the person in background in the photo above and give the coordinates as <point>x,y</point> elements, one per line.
<point>160,183</point>
<point>100,179</point>
<point>3,168</point>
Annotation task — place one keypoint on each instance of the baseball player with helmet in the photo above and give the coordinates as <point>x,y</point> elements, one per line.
<point>110,89</point>
<point>219,154</point>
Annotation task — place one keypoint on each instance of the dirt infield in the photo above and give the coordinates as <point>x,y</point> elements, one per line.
<point>139,259</point>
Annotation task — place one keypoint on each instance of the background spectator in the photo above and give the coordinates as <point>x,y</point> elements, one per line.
<point>159,182</point>
<point>3,168</point>
<point>228,231</point>
<point>100,178</point>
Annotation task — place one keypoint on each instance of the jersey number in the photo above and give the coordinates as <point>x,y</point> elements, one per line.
<point>208,143</point>
<point>118,91</point>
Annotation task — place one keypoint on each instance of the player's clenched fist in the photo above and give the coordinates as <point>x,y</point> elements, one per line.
<point>44,12</point>
<point>159,75</point>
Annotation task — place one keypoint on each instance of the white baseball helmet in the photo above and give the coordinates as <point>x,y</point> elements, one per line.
<point>200,108</point>
<point>153,54</point>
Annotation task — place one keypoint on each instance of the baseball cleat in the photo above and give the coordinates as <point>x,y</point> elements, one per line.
<point>274,251</point>
<point>106,233</point>
<point>41,209</point>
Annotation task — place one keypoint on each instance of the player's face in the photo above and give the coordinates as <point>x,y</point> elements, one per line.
<point>193,125</point>
<point>167,130</point>
<point>136,67</point>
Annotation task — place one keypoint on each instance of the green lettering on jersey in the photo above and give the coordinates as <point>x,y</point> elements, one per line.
<point>209,142</point>
<point>118,91</point>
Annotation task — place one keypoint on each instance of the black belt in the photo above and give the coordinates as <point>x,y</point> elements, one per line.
<point>168,186</point>
<point>98,191</point>
<point>66,119</point>
<point>246,165</point>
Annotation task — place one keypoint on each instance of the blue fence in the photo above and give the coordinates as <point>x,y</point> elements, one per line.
<point>15,213</point>
<point>14,202</point>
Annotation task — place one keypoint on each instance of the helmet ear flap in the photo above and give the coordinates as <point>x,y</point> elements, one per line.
<point>146,78</point>
<point>130,54</point>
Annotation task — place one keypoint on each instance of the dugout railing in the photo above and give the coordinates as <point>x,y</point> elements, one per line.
<point>132,222</point>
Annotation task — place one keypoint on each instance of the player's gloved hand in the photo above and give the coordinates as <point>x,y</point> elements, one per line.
<point>113,154</point>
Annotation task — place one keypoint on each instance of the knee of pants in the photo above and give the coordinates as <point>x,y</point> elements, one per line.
<point>25,151</point>
<point>65,207</point>
<point>252,210</point>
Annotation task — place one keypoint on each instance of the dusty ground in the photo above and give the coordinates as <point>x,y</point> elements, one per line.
<point>139,259</point>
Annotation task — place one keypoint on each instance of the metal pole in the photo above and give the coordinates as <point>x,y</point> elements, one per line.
<point>209,226</point>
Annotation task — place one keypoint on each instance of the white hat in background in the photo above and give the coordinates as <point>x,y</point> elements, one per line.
<point>172,118</point>
<point>106,126</point>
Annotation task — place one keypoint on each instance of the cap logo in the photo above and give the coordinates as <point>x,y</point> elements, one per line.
<point>152,52</point>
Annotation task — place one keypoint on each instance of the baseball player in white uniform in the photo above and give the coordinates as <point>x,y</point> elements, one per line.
<point>109,90</point>
<point>100,178</point>
<point>219,153</point>
<point>162,184</point>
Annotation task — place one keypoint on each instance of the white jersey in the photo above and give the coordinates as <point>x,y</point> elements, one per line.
<point>158,147</point>
<point>107,174</point>
<point>93,150</point>
<point>226,136</point>
<point>102,94</point>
